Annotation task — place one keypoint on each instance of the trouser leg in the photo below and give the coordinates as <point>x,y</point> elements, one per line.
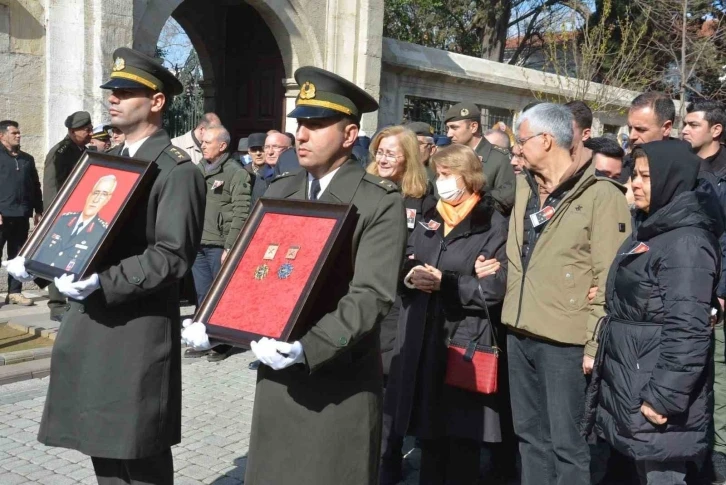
<point>434,455</point>
<point>529,417</point>
<point>462,467</point>
<point>661,473</point>
<point>719,390</point>
<point>391,453</point>
<point>560,372</point>
<point>153,470</point>
<point>213,257</point>
<point>16,233</point>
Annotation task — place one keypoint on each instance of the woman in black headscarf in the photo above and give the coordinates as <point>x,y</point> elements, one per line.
<point>652,364</point>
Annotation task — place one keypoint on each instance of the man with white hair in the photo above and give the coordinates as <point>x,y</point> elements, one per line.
<point>564,232</point>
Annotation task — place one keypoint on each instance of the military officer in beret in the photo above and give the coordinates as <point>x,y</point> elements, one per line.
<point>101,139</point>
<point>317,412</point>
<point>115,377</point>
<point>75,235</point>
<point>59,163</point>
<point>463,123</point>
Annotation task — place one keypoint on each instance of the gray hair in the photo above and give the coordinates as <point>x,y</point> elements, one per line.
<point>111,178</point>
<point>551,118</point>
<point>222,135</point>
<point>209,120</point>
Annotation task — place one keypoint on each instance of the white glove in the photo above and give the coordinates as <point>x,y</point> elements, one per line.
<point>194,335</point>
<point>79,290</point>
<point>16,269</point>
<point>278,355</point>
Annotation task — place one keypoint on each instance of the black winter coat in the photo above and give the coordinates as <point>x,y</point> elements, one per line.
<point>416,397</point>
<point>415,210</point>
<point>655,348</point>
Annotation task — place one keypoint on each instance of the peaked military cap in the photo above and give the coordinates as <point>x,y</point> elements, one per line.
<point>135,70</point>
<point>421,128</point>
<point>463,111</point>
<point>256,140</point>
<point>100,132</point>
<point>79,119</point>
<point>326,95</point>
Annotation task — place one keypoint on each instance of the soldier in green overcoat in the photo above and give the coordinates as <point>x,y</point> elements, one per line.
<point>317,411</point>
<point>115,377</point>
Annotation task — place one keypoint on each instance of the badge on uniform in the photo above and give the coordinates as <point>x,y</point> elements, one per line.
<point>411,218</point>
<point>539,218</point>
<point>217,184</point>
<point>432,225</point>
<point>71,264</point>
<point>639,249</point>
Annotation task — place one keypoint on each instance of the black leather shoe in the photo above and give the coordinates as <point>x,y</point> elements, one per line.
<point>195,354</point>
<point>254,365</point>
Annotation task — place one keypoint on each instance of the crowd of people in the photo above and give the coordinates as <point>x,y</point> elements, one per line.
<point>583,279</point>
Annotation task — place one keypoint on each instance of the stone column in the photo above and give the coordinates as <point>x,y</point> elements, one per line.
<point>291,92</point>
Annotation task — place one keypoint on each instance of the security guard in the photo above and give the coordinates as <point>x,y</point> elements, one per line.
<point>317,412</point>
<point>59,164</point>
<point>115,377</point>
<point>463,123</point>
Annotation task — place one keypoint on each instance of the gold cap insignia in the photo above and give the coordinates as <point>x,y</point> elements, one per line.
<point>464,112</point>
<point>307,91</point>
<point>119,64</point>
<point>431,129</point>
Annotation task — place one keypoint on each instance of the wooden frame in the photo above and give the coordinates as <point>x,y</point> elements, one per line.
<point>290,316</point>
<point>53,240</point>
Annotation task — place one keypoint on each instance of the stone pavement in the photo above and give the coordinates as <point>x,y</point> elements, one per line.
<point>216,415</point>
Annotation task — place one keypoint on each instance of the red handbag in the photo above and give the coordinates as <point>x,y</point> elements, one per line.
<point>471,366</point>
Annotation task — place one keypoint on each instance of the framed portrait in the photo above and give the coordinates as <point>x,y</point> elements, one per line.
<point>85,215</point>
<point>269,283</point>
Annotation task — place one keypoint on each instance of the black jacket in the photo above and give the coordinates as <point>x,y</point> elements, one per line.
<point>19,185</point>
<point>655,347</point>
<point>416,397</point>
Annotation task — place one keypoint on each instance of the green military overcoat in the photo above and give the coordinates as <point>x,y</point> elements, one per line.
<point>59,163</point>
<point>115,376</point>
<point>499,174</point>
<point>320,423</point>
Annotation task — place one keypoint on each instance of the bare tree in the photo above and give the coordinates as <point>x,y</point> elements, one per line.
<point>689,38</point>
<point>588,66</point>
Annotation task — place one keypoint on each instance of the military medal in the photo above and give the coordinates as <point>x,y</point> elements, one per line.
<point>261,271</point>
<point>271,251</point>
<point>286,269</point>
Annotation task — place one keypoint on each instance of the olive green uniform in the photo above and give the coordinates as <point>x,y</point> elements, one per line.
<point>499,174</point>
<point>320,423</point>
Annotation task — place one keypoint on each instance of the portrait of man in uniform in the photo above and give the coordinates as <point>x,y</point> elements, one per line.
<point>75,235</point>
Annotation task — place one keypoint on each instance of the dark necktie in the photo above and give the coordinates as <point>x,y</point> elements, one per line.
<point>76,230</point>
<point>125,152</point>
<point>314,189</point>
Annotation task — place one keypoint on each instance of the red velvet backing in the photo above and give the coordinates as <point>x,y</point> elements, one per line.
<point>264,306</point>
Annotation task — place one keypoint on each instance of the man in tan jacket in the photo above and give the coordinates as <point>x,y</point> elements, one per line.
<point>563,235</point>
<point>191,141</point>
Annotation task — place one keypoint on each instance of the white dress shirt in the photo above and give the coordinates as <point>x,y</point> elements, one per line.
<point>134,147</point>
<point>324,182</point>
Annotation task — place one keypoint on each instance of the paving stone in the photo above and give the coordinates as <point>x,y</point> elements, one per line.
<point>13,479</point>
<point>28,469</point>
<point>197,472</point>
<point>68,469</point>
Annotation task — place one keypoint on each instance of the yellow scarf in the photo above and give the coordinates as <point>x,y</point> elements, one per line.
<point>454,214</point>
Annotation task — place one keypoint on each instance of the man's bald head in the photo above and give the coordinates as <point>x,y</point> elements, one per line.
<point>497,138</point>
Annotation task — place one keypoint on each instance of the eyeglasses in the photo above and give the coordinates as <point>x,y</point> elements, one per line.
<point>390,156</point>
<point>274,147</point>
<point>519,142</point>
<point>256,150</point>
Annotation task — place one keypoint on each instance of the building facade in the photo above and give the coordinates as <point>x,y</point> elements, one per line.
<point>55,53</point>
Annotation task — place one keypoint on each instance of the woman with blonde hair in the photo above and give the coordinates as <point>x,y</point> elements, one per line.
<point>395,156</point>
<point>443,299</point>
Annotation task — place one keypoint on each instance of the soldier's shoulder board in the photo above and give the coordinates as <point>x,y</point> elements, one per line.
<point>62,146</point>
<point>381,183</point>
<point>283,175</point>
<point>179,155</point>
<point>501,150</point>
<point>102,223</point>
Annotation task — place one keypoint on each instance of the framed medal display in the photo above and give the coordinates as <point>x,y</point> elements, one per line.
<point>270,282</point>
<point>82,220</point>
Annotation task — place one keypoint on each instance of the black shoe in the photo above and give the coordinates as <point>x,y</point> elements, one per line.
<point>57,318</point>
<point>254,365</point>
<point>195,354</point>
<point>215,356</point>
<point>718,461</point>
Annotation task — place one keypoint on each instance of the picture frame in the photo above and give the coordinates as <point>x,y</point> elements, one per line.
<point>269,282</point>
<point>85,216</point>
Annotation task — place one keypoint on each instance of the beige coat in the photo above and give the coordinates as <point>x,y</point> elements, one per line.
<point>573,253</point>
<point>186,143</point>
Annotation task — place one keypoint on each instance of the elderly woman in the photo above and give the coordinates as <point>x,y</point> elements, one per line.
<point>652,366</point>
<point>443,299</point>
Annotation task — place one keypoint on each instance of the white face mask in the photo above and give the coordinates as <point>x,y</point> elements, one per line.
<point>448,191</point>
